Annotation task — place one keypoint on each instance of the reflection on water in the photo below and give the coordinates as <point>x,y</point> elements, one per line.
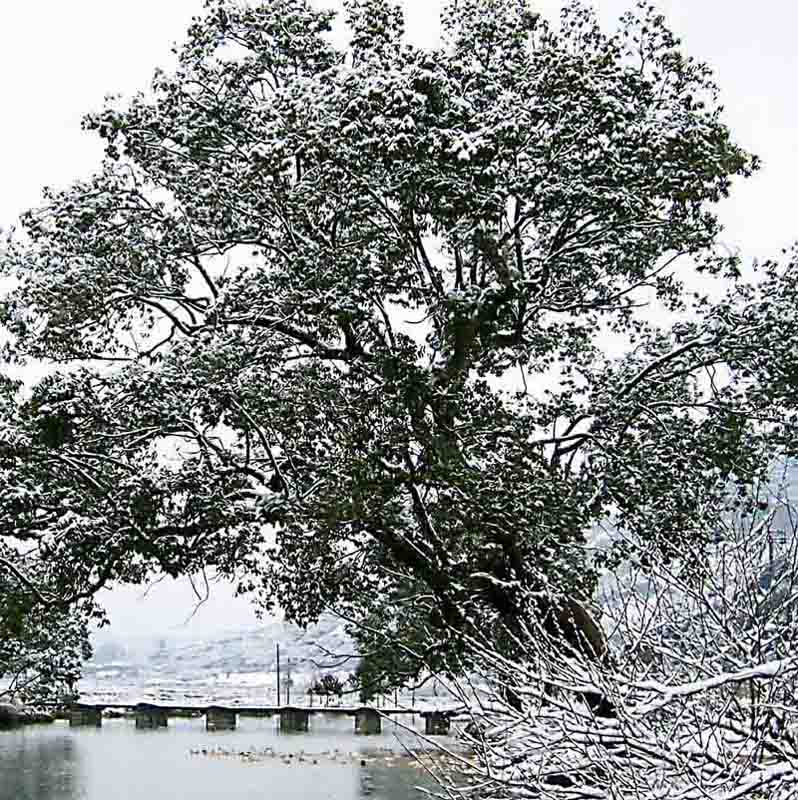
<point>37,767</point>
<point>117,762</point>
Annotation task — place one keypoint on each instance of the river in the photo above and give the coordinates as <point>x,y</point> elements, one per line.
<point>254,762</point>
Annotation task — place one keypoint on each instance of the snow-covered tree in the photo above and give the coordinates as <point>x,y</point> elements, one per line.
<point>702,679</point>
<point>42,645</point>
<point>344,317</point>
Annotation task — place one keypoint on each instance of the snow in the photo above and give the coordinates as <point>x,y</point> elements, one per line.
<point>765,671</point>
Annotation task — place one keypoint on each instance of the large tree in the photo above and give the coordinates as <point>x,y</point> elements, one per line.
<point>345,317</point>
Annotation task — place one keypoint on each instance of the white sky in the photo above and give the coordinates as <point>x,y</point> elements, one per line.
<point>58,59</point>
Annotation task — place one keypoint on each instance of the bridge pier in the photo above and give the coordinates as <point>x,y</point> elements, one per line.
<point>220,719</point>
<point>436,724</point>
<point>367,721</point>
<point>148,717</point>
<point>85,715</point>
<point>294,720</point>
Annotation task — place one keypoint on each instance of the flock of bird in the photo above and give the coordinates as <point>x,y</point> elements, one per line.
<point>336,756</point>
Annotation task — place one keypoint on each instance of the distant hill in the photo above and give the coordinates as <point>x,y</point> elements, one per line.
<point>243,660</point>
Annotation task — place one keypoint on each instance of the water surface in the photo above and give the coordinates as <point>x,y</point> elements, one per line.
<point>118,762</point>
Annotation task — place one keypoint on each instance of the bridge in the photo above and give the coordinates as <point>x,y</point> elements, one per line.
<point>295,719</point>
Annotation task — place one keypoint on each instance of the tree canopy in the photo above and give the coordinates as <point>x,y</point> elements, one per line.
<point>371,327</point>
<point>42,646</point>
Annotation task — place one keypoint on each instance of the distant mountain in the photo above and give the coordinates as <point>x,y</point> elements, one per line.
<point>238,662</point>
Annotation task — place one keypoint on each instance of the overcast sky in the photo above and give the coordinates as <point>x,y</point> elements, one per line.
<point>59,59</point>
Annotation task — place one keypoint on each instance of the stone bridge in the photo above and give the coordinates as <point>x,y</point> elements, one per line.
<point>368,720</point>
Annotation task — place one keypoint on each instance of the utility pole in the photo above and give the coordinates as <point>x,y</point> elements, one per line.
<point>288,684</point>
<point>770,559</point>
<point>278,674</point>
